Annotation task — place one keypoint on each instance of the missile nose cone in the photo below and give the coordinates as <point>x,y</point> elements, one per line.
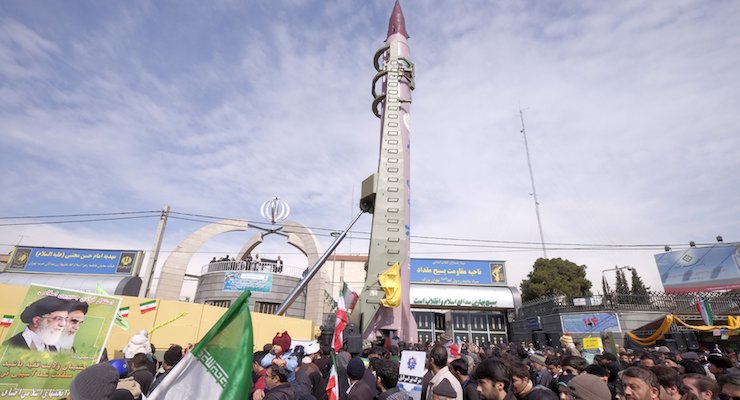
<point>397,24</point>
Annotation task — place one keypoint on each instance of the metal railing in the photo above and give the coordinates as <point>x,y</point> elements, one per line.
<point>722,304</point>
<point>268,266</point>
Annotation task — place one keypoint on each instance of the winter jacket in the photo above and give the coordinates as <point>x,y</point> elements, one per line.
<point>139,343</point>
<point>281,392</point>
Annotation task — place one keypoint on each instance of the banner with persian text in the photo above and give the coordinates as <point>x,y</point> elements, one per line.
<point>75,261</point>
<point>237,281</point>
<point>55,334</point>
<point>458,272</point>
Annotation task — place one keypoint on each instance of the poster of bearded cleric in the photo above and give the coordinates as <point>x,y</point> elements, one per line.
<point>55,334</point>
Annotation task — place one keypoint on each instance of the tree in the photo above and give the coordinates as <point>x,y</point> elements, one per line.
<point>638,286</point>
<point>605,286</point>
<point>555,276</point>
<point>622,287</point>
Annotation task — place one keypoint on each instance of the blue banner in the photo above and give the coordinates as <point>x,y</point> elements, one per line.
<point>75,261</point>
<point>700,269</point>
<point>458,272</point>
<point>590,323</point>
<point>254,281</point>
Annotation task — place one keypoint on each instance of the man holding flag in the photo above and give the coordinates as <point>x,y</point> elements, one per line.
<point>220,365</point>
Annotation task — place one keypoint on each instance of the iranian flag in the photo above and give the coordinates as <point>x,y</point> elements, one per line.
<point>350,297</point>
<point>7,320</point>
<point>341,323</point>
<point>219,366</point>
<point>332,385</point>
<point>124,311</point>
<point>706,311</point>
<point>148,306</point>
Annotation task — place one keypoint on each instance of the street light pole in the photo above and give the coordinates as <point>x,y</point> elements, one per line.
<point>334,265</point>
<point>603,277</point>
<point>614,269</point>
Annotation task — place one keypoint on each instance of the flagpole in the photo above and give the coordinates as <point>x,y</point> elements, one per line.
<point>293,295</point>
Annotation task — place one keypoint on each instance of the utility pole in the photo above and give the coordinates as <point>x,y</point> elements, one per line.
<point>154,255</point>
<point>534,191</point>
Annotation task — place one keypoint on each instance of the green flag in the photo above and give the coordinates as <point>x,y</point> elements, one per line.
<point>220,365</point>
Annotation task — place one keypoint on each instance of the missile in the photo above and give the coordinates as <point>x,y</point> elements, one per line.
<point>386,193</point>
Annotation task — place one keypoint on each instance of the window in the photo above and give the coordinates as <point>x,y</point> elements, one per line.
<point>266,308</point>
<point>219,303</point>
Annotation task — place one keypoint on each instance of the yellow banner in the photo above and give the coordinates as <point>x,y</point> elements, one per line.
<point>390,281</point>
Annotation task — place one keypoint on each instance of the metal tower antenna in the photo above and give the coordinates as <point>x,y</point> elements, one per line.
<point>531,179</point>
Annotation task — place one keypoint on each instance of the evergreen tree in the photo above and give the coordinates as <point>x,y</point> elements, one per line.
<point>622,287</point>
<point>638,286</point>
<point>555,276</point>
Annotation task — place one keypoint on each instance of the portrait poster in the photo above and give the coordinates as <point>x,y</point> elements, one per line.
<point>55,334</point>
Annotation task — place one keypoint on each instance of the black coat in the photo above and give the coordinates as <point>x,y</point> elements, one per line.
<point>19,342</point>
<point>280,392</point>
<point>360,391</point>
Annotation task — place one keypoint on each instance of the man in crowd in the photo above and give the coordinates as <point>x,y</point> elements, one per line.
<point>538,365</point>
<point>640,384</point>
<point>524,388</point>
<point>588,387</point>
<point>573,365</point>
<point>172,356</point>
<point>139,367</point>
<point>358,389</point>
<point>386,372</point>
<point>702,386</point>
<point>46,319</point>
<point>259,375</point>
<point>730,386</point>
<point>460,367</point>
<point>276,384</point>
<point>440,372</point>
<point>96,382</point>
<point>76,315</point>
<point>670,382</point>
<point>493,380</point>
<point>718,365</point>
<point>553,367</point>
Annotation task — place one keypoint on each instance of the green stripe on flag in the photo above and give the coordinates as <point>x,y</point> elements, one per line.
<point>227,350</point>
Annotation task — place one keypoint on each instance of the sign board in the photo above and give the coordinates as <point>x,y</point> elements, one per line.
<point>75,261</point>
<point>700,269</point>
<point>55,334</point>
<point>593,343</point>
<point>454,296</point>
<point>238,281</point>
<point>591,347</point>
<point>411,371</point>
<point>590,322</point>
<point>534,323</point>
<point>458,272</point>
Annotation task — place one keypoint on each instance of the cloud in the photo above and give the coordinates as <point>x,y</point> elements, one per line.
<point>629,111</point>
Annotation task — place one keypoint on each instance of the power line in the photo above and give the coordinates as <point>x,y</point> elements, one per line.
<point>78,221</point>
<point>359,235</point>
<point>81,215</point>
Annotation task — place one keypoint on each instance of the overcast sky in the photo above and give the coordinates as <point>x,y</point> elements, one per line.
<point>631,111</point>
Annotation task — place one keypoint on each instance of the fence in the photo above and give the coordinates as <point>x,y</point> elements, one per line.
<point>262,266</point>
<point>722,304</point>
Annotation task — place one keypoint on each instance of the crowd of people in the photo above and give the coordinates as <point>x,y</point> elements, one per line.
<point>255,263</point>
<point>454,371</point>
<point>132,377</point>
